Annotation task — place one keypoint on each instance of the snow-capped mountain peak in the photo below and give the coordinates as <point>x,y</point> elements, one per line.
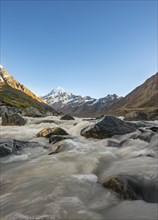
<point>1,67</point>
<point>57,95</point>
<point>58,90</point>
<point>67,102</point>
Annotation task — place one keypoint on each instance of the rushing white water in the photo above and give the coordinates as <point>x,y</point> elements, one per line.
<point>68,185</point>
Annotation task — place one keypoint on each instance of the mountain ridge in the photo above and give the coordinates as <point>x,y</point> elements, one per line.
<point>143,98</point>
<point>81,106</point>
<point>15,94</point>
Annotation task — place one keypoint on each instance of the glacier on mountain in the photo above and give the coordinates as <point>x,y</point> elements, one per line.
<point>69,103</point>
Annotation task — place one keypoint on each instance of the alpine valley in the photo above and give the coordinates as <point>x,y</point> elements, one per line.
<point>141,103</point>
<point>63,167</point>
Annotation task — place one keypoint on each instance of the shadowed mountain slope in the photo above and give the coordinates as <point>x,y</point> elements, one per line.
<point>142,98</point>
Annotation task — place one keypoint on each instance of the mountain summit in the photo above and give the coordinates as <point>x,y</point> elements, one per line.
<point>80,106</point>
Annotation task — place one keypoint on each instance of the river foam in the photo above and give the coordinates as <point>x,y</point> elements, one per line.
<point>68,185</point>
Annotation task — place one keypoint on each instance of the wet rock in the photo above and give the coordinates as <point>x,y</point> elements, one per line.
<point>48,132</point>
<point>146,136</point>
<point>61,146</point>
<point>107,127</point>
<point>5,150</point>
<point>113,143</point>
<point>8,147</point>
<point>56,138</point>
<point>154,129</point>
<point>45,121</point>
<point>133,187</point>
<point>153,144</point>
<point>13,119</point>
<point>12,146</point>
<point>56,149</point>
<point>67,117</point>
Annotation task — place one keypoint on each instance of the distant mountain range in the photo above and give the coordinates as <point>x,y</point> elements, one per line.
<point>68,103</point>
<point>144,98</point>
<point>14,94</point>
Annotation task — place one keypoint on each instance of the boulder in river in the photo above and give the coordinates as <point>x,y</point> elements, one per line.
<point>56,138</point>
<point>61,146</point>
<point>12,146</point>
<point>56,149</point>
<point>133,187</point>
<point>67,117</point>
<point>107,127</point>
<point>13,119</point>
<point>48,132</point>
<point>154,129</point>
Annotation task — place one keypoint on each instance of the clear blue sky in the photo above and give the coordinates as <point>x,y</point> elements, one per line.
<point>87,47</point>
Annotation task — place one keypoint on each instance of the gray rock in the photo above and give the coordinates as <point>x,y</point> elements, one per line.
<point>3,109</point>
<point>32,112</point>
<point>12,146</point>
<point>154,129</point>
<point>67,117</point>
<point>133,187</point>
<point>60,147</point>
<point>56,138</point>
<point>153,144</point>
<point>56,149</point>
<point>113,143</point>
<point>9,110</point>
<point>5,150</point>
<point>13,119</point>
<point>107,127</point>
<point>146,136</point>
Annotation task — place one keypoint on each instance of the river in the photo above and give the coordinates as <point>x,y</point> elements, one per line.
<point>68,185</point>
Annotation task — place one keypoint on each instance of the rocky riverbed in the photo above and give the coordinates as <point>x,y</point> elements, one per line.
<point>77,171</point>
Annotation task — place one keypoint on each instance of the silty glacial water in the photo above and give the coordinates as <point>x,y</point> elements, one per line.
<point>68,185</point>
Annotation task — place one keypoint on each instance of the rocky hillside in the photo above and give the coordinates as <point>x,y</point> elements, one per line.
<point>14,94</point>
<point>143,98</point>
<point>77,105</point>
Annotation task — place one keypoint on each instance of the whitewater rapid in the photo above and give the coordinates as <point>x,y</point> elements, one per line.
<point>68,185</point>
